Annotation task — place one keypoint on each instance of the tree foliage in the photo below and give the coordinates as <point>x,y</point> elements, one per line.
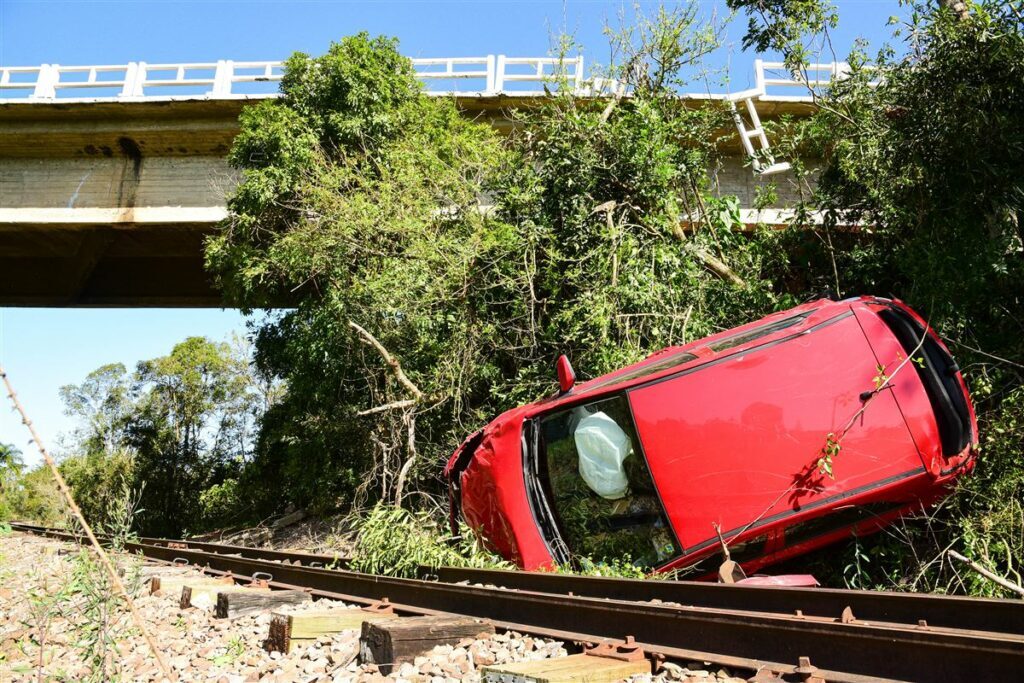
<point>26,494</point>
<point>363,205</point>
<point>11,467</point>
<point>180,427</point>
<point>190,429</point>
<point>786,26</point>
<point>359,204</point>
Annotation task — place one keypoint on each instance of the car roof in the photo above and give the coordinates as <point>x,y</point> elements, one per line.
<point>780,324</point>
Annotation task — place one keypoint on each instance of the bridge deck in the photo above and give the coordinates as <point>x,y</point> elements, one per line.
<point>106,201</point>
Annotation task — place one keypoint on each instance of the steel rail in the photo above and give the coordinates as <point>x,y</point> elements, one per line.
<point>958,612</point>
<point>305,559</point>
<point>868,649</point>
<point>844,651</point>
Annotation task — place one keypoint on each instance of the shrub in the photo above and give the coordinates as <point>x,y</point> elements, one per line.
<point>396,542</point>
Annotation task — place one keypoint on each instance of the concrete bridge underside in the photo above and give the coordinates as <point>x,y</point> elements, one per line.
<point>108,203</point>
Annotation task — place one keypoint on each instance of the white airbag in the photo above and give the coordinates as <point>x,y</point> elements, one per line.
<point>602,447</point>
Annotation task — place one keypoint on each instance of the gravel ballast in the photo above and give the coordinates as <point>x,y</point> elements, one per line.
<point>43,626</point>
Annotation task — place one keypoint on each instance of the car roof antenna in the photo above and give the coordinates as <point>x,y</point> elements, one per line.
<point>729,571</point>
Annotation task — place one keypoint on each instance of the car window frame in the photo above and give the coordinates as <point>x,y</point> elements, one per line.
<point>532,450</point>
<point>737,339</point>
<point>679,357</point>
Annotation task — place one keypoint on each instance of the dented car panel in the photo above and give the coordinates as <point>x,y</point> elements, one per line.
<point>491,491</point>
<point>723,436</point>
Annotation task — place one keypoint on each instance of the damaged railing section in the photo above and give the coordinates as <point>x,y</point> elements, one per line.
<point>775,81</point>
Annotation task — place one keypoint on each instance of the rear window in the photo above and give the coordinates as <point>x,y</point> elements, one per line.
<point>756,333</point>
<point>599,487</point>
<point>937,371</point>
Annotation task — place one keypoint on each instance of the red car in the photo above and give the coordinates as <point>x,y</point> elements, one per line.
<point>776,438</point>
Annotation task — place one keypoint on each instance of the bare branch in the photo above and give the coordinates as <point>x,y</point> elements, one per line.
<point>717,266</point>
<point>1009,585</point>
<point>394,405</point>
<point>410,431</point>
<point>396,367</point>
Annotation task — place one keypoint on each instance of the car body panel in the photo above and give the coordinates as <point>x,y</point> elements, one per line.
<point>908,389</point>
<point>731,428</point>
<point>493,494</point>
<point>738,441</point>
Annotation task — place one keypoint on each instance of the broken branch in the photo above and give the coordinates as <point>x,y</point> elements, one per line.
<point>717,266</point>
<point>394,405</point>
<point>1005,583</point>
<point>396,367</point>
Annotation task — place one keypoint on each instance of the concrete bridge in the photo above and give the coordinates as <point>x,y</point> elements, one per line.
<point>111,176</point>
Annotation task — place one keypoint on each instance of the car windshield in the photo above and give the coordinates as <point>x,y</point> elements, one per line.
<point>599,487</point>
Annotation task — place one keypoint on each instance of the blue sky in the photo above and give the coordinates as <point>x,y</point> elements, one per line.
<point>43,349</point>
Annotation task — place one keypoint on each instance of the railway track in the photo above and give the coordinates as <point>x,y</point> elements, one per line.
<point>851,636</point>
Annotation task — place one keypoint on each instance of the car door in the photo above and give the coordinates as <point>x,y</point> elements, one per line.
<point>735,442</point>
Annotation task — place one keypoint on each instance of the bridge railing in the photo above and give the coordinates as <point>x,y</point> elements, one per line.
<point>462,76</point>
<point>489,75</point>
<point>469,76</point>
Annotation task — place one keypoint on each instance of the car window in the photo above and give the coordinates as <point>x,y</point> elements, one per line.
<point>834,521</point>
<point>669,361</point>
<point>599,486</point>
<point>756,333</point>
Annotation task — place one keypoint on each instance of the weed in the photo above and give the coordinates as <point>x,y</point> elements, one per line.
<point>235,649</point>
<point>97,614</point>
<point>395,542</point>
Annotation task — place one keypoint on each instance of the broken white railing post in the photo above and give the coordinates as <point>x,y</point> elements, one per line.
<point>577,81</point>
<point>134,80</point>
<point>499,75</point>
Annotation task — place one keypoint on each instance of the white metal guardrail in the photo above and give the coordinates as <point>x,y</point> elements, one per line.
<point>460,76</point>
<point>775,76</point>
<point>490,75</point>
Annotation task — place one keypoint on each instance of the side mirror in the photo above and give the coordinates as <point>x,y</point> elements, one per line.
<point>566,375</point>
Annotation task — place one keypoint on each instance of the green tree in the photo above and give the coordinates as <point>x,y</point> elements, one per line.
<point>102,404</point>
<point>99,480</point>
<point>11,467</point>
<point>34,496</point>
<point>417,315</point>
<point>29,495</point>
<point>192,428</point>
<point>359,205</point>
